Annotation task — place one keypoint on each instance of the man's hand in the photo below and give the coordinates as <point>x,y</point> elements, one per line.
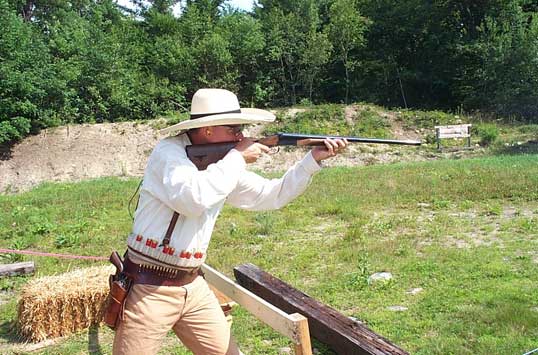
<point>332,148</point>
<point>251,150</point>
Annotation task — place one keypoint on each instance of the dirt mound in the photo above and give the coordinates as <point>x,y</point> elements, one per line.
<point>78,152</point>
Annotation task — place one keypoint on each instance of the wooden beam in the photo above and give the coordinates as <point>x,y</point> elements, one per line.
<point>326,324</point>
<point>291,326</point>
<point>26,267</point>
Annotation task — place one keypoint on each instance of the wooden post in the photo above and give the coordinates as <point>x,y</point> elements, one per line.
<point>304,347</point>
<point>326,324</point>
<point>26,267</point>
<point>438,137</point>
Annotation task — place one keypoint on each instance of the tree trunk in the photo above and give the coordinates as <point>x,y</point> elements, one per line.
<point>28,10</point>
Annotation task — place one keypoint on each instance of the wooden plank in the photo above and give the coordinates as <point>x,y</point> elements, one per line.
<point>26,267</point>
<point>459,130</point>
<point>454,126</point>
<point>326,324</point>
<point>454,135</point>
<point>263,310</point>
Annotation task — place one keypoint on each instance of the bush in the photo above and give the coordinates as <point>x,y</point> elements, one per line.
<point>488,133</point>
<point>13,129</point>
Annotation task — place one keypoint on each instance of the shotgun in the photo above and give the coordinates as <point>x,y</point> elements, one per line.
<point>204,154</point>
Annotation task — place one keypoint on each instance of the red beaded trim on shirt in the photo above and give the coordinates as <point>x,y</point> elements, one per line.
<point>184,254</point>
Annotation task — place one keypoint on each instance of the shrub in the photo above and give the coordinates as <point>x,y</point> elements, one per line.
<point>488,133</point>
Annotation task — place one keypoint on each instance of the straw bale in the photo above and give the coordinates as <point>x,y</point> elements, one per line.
<point>59,305</point>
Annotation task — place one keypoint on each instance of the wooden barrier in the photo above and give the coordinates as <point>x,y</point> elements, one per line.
<point>26,267</point>
<point>293,326</point>
<point>326,324</point>
<point>453,131</point>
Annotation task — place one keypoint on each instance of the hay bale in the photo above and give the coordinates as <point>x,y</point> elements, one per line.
<point>59,305</point>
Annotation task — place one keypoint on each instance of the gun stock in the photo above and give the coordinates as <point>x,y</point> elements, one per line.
<point>204,154</point>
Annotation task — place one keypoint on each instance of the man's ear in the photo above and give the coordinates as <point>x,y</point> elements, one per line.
<point>208,131</point>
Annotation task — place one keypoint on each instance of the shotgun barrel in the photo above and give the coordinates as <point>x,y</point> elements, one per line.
<point>315,139</point>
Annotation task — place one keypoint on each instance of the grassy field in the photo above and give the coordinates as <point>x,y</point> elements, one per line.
<point>463,231</point>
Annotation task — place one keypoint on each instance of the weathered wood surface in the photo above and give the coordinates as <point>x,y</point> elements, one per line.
<point>26,267</point>
<point>453,131</point>
<point>457,131</point>
<point>326,324</point>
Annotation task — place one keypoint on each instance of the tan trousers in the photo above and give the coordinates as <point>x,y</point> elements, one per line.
<point>192,311</point>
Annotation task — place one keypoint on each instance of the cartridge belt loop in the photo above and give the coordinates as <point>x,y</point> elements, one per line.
<point>158,275</point>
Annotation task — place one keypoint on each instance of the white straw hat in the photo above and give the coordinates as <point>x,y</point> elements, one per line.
<point>216,107</point>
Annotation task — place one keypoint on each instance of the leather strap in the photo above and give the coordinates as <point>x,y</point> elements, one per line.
<point>170,229</point>
<point>157,276</point>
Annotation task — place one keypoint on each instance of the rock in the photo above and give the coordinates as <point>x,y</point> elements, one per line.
<point>414,291</point>
<point>397,308</point>
<point>284,350</point>
<point>379,276</point>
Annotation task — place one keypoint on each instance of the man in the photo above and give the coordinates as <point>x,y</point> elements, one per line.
<point>174,220</point>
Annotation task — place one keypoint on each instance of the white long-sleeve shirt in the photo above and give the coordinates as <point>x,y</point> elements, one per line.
<point>173,183</point>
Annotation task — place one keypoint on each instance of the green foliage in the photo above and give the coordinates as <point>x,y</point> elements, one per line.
<point>428,119</point>
<point>26,74</point>
<point>346,29</point>
<point>330,120</point>
<point>508,45</point>
<point>321,119</point>
<point>368,123</point>
<point>488,133</point>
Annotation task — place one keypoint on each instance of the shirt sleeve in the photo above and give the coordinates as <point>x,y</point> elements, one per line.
<point>174,179</point>
<point>256,193</point>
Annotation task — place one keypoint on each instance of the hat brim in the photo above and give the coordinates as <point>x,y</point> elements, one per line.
<point>247,116</point>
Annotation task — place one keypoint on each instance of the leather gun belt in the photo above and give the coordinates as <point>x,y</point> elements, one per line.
<point>159,276</point>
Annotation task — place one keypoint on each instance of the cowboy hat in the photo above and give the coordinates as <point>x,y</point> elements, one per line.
<point>219,107</point>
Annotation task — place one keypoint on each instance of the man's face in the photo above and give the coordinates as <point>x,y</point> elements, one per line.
<point>217,134</point>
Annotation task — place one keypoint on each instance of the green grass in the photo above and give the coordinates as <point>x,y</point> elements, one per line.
<point>465,231</point>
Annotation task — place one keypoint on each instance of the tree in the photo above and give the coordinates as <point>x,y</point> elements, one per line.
<point>289,26</point>
<point>27,77</point>
<point>247,45</point>
<point>346,31</point>
<point>316,54</point>
<point>509,50</point>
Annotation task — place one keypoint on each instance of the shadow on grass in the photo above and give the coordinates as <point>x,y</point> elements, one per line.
<point>93,340</point>
<point>529,147</point>
<point>9,334</point>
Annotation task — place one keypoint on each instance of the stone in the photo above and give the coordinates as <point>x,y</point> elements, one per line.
<point>379,276</point>
<point>284,350</point>
<point>414,291</point>
<point>397,308</point>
